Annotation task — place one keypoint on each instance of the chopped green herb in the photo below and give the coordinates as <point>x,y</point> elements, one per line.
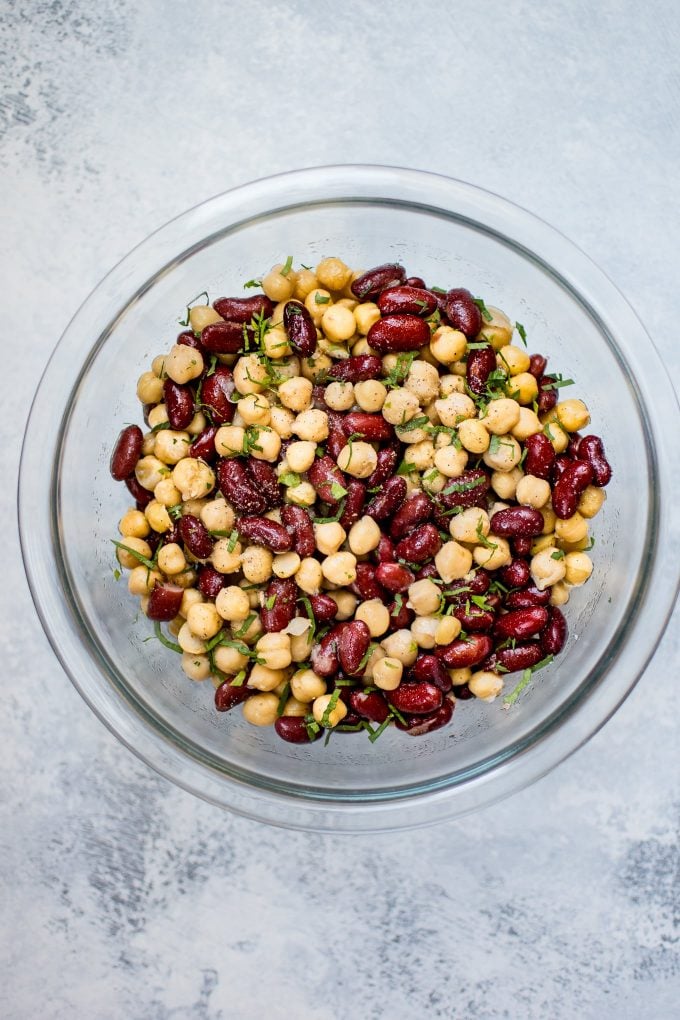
<point>233,539</point>
<point>239,679</point>
<point>252,283</point>
<point>326,717</point>
<point>283,699</point>
<point>116,574</point>
<point>415,423</point>
<point>270,602</point>
<point>557,383</point>
<point>161,425</point>
<point>557,555</point>
<point>310,615</point>
<point>398,603</point>
<point>338,491</point>
<point>486,314</point>
<point>374,734</point>
<point>204,293</point>
<point>321,299</point>
<point>287,266</point>
<point>290,479</point>
<point>483,540</point>
<point>245,626</point>
<point>473,483</point>
<point>150,564</point>
<point>522,332</point>
<point>511,698</point>
<point>164,640</point>
<point>396,375</point>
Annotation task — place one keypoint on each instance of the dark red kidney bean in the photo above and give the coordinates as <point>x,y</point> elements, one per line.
<point>210,582</point>
<point>516,574</point>
<point>401,617</point>
<point>569,486</point>
<point>463,693</point>
<point>324,655</point>
<point>195,536</point>
<point>153,540</point>
<point>228,695</point>
<point>319,398</point>
<point>173,534</point>
<point>591,449</point>
<point>540,456</point>
<point>141,496</point>
<point>415,281</point>
<point>397,333</point>
<point>164,602</point>
<point>469,489</point>
<point>216,391</point>
<point>521,546</point>
<point>522,656</point>
<point>481,362</point>
<point>242,309</point>
<point>517,520</point>
<point>300,328</point>
<point>365,584</point>
<point>385,551</point>
<point>239,489</point>
<point>521,623</point>
<point>559,466</point>
<point>266,480</point>
<point>416,699</point>
<point>416,510</point>
<point>430,668</point>
<point>370,283</point>
<point>419,725</point>
<point>428,570</point>
<point>126,452</point>
<point>299,525</point>
<point>203,446</point>
<point>371,705</point>
<point>179,403</point>
<point>537,365</point>
<point>422,544</point>
<point>479,583</point>
<point>475,620</point>
<point>394,576</point>
<point>407,300</point>
<point>337,439</point>
<point>528,597</point>
<point>463,313</point>
<point>573,445</point>
<point>354,503</point>
<point>385,503</point>
<point>353,644</point>
<point>189,339</point>
<point>547,394</point>
<point>262,531</point>
<point>281,595</point>
<point>293,730</point>
<point>370,427</point>
<point>464,653</point>
<point>324,608</point>
<point>225,337</point>
<point>554,635</point>
<point>388,458</point>
<point>358,368</point>
<point>323,475</point>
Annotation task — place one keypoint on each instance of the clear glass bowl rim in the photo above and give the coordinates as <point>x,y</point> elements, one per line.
<point>264,197</point>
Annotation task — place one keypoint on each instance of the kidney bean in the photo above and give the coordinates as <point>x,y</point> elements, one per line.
<point>537,365</point>
<point>397,333</point>
<point>179,403</point>
<point>371,705</point>
<point>415,281</point>
<point>365,585</point>
<point>337,439</point>
<point>370,283</point>
<point>299,524</point>
<point>239,489</point>
<point>195,536</point>
<point>226,337</point>
<point>164,602</point>
<point>203,446</point>
<point>462,653</point>
<point>172,535</point>
<point>266,480</point>
<point>402,617</point>
<point>479,583</point>
<point>324,656</point>
<point>300,328</point>
<point>141,496</point>
<point>353,644</point>
<point>419,725</point>
<point>540,456</point>
<point>591,449</point>
<point>293,730</point>
<point>528,597</point>
<point>323,475</point>
<point>516,574</point>
<point>521,546</point>
<point>385,503</point>
<point>517,520</point>
<point>370,427</point>
<point>474,620</point>
<point>358,368</point>
<point>569,486</point>
<point>416,699</point>
<point>481,363</point>
<point>324,608</point>
<point>216,391</point>
<point>354,503</point>
<point>522,656</point>
<point>416,510</point>
<point>462,312</point>
<point>572,448</point>
<point>385,551</point>
<point>243,309</point>
<point>558,467</point>
<point>319,397</point>
<point>521,623</point>
<point>262,531</point>
<point>547,394</point>
<point>281,594</point>
<point>463,693</point>
<point>394,576</point>
<point>210,582</point>
<point>469,489</point>
<point>189,339</point>
<point>420,545</point>
<point>407,300</point>
<point>126,453</point>
<point>554,635</point>
<point>388,458</point>
<point>428,570</point>
<point>430,668</point>
<point>153,540</point>
<point>228,695</point>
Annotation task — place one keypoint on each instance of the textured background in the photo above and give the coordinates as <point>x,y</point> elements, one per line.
<point>125,897</point>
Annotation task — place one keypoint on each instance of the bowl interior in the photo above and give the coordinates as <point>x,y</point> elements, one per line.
<point>447,250</point>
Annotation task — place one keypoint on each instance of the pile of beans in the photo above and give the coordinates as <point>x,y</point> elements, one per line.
<point>357,501</point>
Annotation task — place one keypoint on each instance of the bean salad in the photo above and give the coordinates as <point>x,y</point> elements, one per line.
<point>358,500</point>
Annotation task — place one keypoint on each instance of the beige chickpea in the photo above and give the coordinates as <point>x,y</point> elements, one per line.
<point>158,517</point>
<point>317,365</point>
<point>513,359</point>
<point>559,595</point>
<point>453,561</point>
<point>296,393</point>
<point>261,709</point>
<point>305,283</point>
<point>504,453</point>
<point>183,364</point>
<point>171,559</point>
<point>474,436</point>
<point>420,455</point>
<point>282,420</point>
<point>449,384</point>
<point>364,536</point>
<point>339,395</point>
<point>524,388</point>
<point>311,425</point>
<point>470,524</point>
<point>190,642</point>
<point>447,630</point>
<point>578,568</point>
<point>324,713</point>
<point>591,501</point>
<point>455,408</point>
<point>262,678</point>
<point>148,444</point>
<point>557,436</point>
<point>528,424</point>
<point>546,541</point>
<point>204,620</point>
<point>433,481</point>
<point>171,447</point>
<point>149,471</point>
<point>400,406</point>
<point>410,435</point>
<point>572,415</point>
<point>196,667</point>
<point>306,685</point>
<point>504,483</point>
<point>501,416</point>
<point>158,415</point>
<point>149,388</point>
<point>286,564</point>
<point>250,374</point>
<point>158,366</point>
<point>167,493</point>
<point>142,581</point>
<point>275,344</point>
<point>295,707</point>
<point>197,424</point>
<point>400,645</point>
<point>571,530</point>
<point>388,671</point>
<point>448,345</point>
<point>424,597</point>
<point>194,478</point>
<point>329,537</point>
<point>346,601</point>
<point>358,459</point>
<point>496,327</point>
<point>340,568</point>
<point>233,603</point>
<point>278,283</point>
<point>485,685</point>
<point>266,443</point>
<point>125,558</point>
<point>317,302</point>
<point>300,455</point>
<point>303,494</point>
<point>423,381</point>
<point>494,555</point>
<point>338,323</point>
<point>375,615</point>
<point>333,274</point>
<point>548,567</point>
<point>424,629</point>
<point>309,576</point>
<point>255,409</point>
<point>255,562</point>
<point>133,524</point>
<point>450,461</point>
<point>190,596</point>
<point>274,650</point>
<point>201,316</point>
<point>460,676</point>
<point>229,659</point>
<point>370,394</point>
<point>218,515</point>
<point>366,315</point>
<point>532,491</point>
<point>226,556</point>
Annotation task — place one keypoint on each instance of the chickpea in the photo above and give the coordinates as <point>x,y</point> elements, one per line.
<point>450,461</point>
<point>320,710</point>
<point>275,344</point>
<point>339,395</point>
<point>470,524</point>
<point>532,491</point>
<point>473,435</point>
<point>204,620</point>
<point>366,315</point>
<point>453,561</point>
<point>286,564</point>
<point>183,364</point>
<point>233,603</point>
<point>364,536</point>
<point>340,568</point>
<point>312,425</point>
<point>460,676</point>
<point>217,515</point>
<point>229,660</point>
<point>201,316</point>
<point>421,455</point>
<point>548,567</point>
<point>171,447</point>
<point>514,359</point>
<point>559,595</point>
<point>309,576</point>
<point>267,443</point>
<point>400,406</point>
<point>424,597</point>
<point>196,667</point>
<point>125,558</point>
<point>578,568</point>
<point>274,650</point>
<point>400,645</point>
<point>591,501</point>
<point>255,409</point>
<point>549,519</point>
<point>504,454</point>
<point>448,345</point>
<point>504,483</point>
<point>194,478</point>
<point>501,416</point>
<point>306,282</point>
<point>167,493</point>
<point>282,420</point>
<point>256,564</point>
<point>133,524</point>
<point>329,537</point>
<point>148,444</point>
<point>149,388</point>
<point>317,302</point>
<point>496,327</point>
<point>197,424</point>
<point>424,629</point>
<point>572,415</point>
<point>496,554</point>
<point>261,709</point>
<point>387,672</point>
<point>409,435</point>
<point>524,388</point>
<point>557,436</point>
<point>226,557</point>
<point>190,597</point>
<point>358,459</point>
<point>333,274</point>
<point>158,366</point>
<point>303,494</point>
<point>485,685</point>
<point>455,408</point>
<point>423,381</point>
<point>434,481</point>
<point>149,471</point>
<point>375,615</point>
<point>190,642</point>
<point>294,707</point>
<point>296,393</point>
<point>449,384</point>
<point>338,323</point>
<point>346,601</point>
<point>306,685</point>
<point>171,559</point>
<point>572,530</point>
<point>187,579</point>
<point>546,541</point>
<point>528,424</point>
<point>370,395</point>
<point>279,282</point>
<point>250,374</point>
<point>157,516</point>
<point>316,366</point>
<point>251,633</point>
<point>158,415</point>
<point>447,630</point>
<point>262,678</point>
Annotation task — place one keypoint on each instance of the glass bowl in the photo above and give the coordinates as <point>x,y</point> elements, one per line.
<point>452,234</point>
